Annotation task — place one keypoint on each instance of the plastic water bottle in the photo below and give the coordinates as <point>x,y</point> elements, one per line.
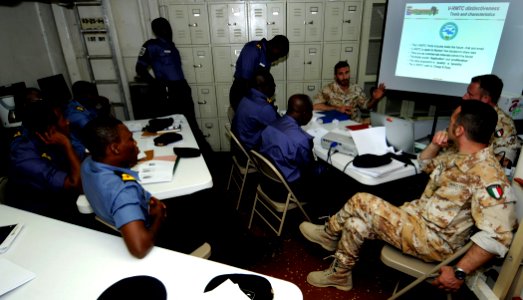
<point>335,124</point>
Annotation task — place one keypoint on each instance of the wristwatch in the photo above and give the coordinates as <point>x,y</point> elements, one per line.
<point>459,273</point>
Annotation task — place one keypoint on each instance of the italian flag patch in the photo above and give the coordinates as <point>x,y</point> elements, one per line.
<point>495,191</point>
<point>499,133</point>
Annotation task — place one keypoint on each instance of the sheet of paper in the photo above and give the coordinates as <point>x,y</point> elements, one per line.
<point>227,290</point>
<point>371,141</point>
<point>380,171</point>
<point>12,276</point>
<point>155,171</point>
<point>317,133</point>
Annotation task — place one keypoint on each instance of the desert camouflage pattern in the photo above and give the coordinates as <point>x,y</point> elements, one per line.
<point>505,139</point>
<point>333,95</point>
<point>463,191</point>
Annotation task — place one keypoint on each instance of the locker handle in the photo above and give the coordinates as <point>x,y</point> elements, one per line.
<point>346,21</point>
<point>233,65</point>
<point>198,66</point>
<point>311,22</point>
<point>308,63</point>
<point>202,102</point>
<point>233,24</point>
<point>193,25</point>
<point>208,125</point>
<point>207,135</point>
<point>271,23</point>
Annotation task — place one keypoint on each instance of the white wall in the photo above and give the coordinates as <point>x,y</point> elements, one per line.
<point>30,47</point>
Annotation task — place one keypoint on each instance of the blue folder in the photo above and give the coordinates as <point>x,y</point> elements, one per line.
<point>330,115</point>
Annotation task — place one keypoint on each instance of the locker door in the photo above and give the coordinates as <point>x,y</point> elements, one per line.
<point>194,94</point>
<point>237,23</point>
<point>180,24</point>
<point>331,55</point>
<point>186,54</point>
<point>222,63</point>
<point>198,24</point>
<point>219,23</point>
<point>203,64</point>
<point>275,19</point>
<point>296,22</point>
<point>257,21</point>
<point>311,89</point>
<point>313,22</point>
<point>349,52</point>
<point>279,95</point>
<point>352,21</point>
<point>278,71</point>
<point>235,51</point>
<point>333,21</point>
<point>296,62</point>
<point>294,88</point>
<point>206,101</point>
<point>312,62</point>
<point>222,99</point>
<point>211,132</point>
<point>225,142</point>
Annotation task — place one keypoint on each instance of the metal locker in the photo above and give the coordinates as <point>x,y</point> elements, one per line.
<point>224,61</point>
<point>311,88</point>
<point>333,21</point>
<point>179,19</point>
<point>222,99</point>
<point>280,96</point>
<point>275,19</point>
<point>314,22</point>
<point>203,70</point>
<point>296,22</point>
<point>211,132</point>
<point>331,55</point>
<point>257,21</point>
<point>294,88</point>
<point>352,21</point>
<point>199,24</point>
<point>186,54</point>
<point>228,23</point>
<point>312,62</point>
<point>225,141</point>
<point>205,101</point>
<point>296,62</point>
<point>237,23</point>
<point>278,71</point>
<point>349,52</point>
<point>190,24</point>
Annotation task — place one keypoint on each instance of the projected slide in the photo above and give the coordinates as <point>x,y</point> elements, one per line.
<point>450,41</point>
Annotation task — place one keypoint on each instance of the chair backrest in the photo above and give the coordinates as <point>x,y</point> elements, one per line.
<point>3,184</point>
<point>235,142</point>
<point>267,168</point>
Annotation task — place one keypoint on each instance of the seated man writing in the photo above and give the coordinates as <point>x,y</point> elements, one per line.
<point>466,189</point>
<point>114,193</point>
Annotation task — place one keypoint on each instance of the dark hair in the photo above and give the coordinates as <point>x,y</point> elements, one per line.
<point>261,78</point>
<point>491,85</point>
<point>83,88</point>
<point>99,133</point>
<point>479,120</point>
<point>40,115</point>
<point>341,64</point>
<point>281,43</point>
<point>299,103</point>
<point>162,28</point>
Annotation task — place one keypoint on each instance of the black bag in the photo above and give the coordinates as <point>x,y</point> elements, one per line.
<point>186,152</point>
<point>371,160</point>
<point>254,286</point>
<point>135,287</point>
<point>158,124</point>
<point>167,138</point>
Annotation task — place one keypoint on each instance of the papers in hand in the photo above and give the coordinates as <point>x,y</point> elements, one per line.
<point>153,171</point>
<point>12,276</point>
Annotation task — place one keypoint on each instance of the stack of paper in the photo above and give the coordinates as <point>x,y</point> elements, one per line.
<point>12,276</point>
<point>153,171</point>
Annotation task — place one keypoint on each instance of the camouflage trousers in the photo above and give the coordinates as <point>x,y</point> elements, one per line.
<point>366,216</point>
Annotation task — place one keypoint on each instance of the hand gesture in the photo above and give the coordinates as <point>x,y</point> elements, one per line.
<point>157,209</point>
<point>53,137</point>
<point>379,92</point>
<point>440,139</point>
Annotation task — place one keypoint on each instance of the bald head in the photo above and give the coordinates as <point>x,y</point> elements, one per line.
<point>299,107</point>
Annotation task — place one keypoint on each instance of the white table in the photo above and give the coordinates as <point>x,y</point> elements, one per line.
<point>191,174</point>
<point>340,161</point>
<point>73,262</point>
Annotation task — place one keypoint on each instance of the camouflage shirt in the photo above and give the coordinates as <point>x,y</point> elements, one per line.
<point>466,191</point>
<point>332,94</point>
<point>505,139</point>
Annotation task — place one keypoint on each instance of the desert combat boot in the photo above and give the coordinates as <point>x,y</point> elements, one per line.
<point>319,234</point>
<point>336,276</point>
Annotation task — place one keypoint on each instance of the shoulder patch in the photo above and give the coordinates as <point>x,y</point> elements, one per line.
<point>495,191</point>
<point>142,51</point>
<point>80,108</point>
<point>124,176</point>
<point>258,45</point>
<point>17,134</point>
<point>499,133</point>
<point>46,156</point>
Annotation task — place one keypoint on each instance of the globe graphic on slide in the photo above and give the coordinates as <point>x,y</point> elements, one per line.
<point>448,31</point>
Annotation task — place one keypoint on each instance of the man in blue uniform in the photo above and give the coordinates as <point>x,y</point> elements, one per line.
<point>115,195</point>
<point>255,54</point>
<point>256,110</point>
<point>78,116</point>
<point>44,170</point>
<point>290,148</point>
<point>163,57</point>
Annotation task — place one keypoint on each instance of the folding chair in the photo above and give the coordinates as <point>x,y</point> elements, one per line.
<point>242,165</point>
<point>273,206</point>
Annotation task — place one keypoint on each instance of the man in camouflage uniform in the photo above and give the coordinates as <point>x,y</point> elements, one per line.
<point>466,189</point>
<point>346,98</point>
<point>487,89</point>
